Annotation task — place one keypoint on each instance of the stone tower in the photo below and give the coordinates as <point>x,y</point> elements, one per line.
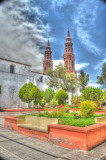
<point>69,57</point>
<point>47,63</point>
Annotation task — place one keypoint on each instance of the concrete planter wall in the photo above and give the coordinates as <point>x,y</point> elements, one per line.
<point>83,138</point>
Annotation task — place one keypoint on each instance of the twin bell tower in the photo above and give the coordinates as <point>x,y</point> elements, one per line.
<point>69,57</point>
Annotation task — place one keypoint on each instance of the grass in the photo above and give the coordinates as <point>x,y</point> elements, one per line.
<point>69,119</point>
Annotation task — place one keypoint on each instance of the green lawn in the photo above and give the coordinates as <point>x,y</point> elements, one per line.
<point>69,119</point>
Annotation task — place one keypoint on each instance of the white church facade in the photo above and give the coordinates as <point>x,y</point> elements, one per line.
<point>13,75</point>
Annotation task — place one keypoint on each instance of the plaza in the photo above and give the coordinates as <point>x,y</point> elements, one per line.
<point>15,146</point>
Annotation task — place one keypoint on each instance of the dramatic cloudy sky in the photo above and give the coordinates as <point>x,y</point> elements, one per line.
<point>26,25</point>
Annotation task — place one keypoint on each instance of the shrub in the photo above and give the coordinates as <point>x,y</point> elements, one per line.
<point>53,103</point>
<point>49,94</point>
<point>24,92</point>
<point>67,107</point>
<point>104,95</point>
<point>0,89</point>
<point>35,102</point>
<point>56,113</point>
<point>93,94</point>
<point>87,108</point>
<point>61,96</point>
<point>35,93</point>
<point>42,102</point>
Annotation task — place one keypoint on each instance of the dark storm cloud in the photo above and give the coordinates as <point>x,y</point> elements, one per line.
<point>104,0</point>
<point>22,33</point>
<point>1,1</point>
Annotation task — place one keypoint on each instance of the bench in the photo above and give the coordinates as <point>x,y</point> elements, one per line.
<point>100,119</point>
<point>37,123</point>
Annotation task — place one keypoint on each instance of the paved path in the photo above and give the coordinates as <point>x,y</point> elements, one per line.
<point>14,146</point>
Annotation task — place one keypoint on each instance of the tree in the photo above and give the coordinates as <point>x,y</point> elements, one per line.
<point>29,92</point>
<point>36,94</point>
<point>83,79</point>
<point>93,94</point>
<point>70,83</point>
<point>60,79</point>
<point>54,103</point>
<point>24,92</point>
<point>102,78</point>
<point>61,96</point>
<point>49,94</point>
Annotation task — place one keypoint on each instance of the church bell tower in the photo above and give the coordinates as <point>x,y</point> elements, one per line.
<point>47,63</point>
<point>69,57</point>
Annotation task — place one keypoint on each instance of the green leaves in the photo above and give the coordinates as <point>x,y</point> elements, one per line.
<point>35,93</point>
<point>24,92</point>
<point>102,78</point>
<point>29,92</point>
<point>87,108</point>
<point>49,94</point>
<point>59,79</point>
<point>93,94</point>
<point>54,103</point>
<point>61,96</point>
<point>83,80</point>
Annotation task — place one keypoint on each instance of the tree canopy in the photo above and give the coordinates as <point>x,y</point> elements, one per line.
<point>60,79</point>
<point>61,96</point>
<point>102,78</point>
<point>92,93</point>
<point>29,92</point>
<point>83,79</point>
<point>24,92</point>
<point>49,94</point>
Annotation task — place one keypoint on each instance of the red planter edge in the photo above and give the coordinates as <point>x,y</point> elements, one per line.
<point>82,138</point>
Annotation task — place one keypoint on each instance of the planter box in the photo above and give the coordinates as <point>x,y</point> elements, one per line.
<point>83,138</point>
<point>100,119</point>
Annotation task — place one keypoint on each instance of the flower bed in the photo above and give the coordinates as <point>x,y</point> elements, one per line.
<point>70,119</point>
<point>83,138</point>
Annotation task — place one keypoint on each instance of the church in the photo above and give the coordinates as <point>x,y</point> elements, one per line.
<point>13,75</point>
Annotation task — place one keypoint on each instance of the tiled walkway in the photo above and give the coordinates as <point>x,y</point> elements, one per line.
<point>14,146</point>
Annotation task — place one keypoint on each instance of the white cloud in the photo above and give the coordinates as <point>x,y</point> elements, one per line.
<point>56,62</point>
<point>85,18</point>
<point>94,85</point>
<point>21,38</point>
<point>77,66</point>
<point>81,66</point>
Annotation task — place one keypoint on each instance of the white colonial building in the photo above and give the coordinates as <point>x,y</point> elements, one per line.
<point>13,75</point>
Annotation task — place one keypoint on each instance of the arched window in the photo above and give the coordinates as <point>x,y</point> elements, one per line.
<point>72,65</point>
<point>12,68</point>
